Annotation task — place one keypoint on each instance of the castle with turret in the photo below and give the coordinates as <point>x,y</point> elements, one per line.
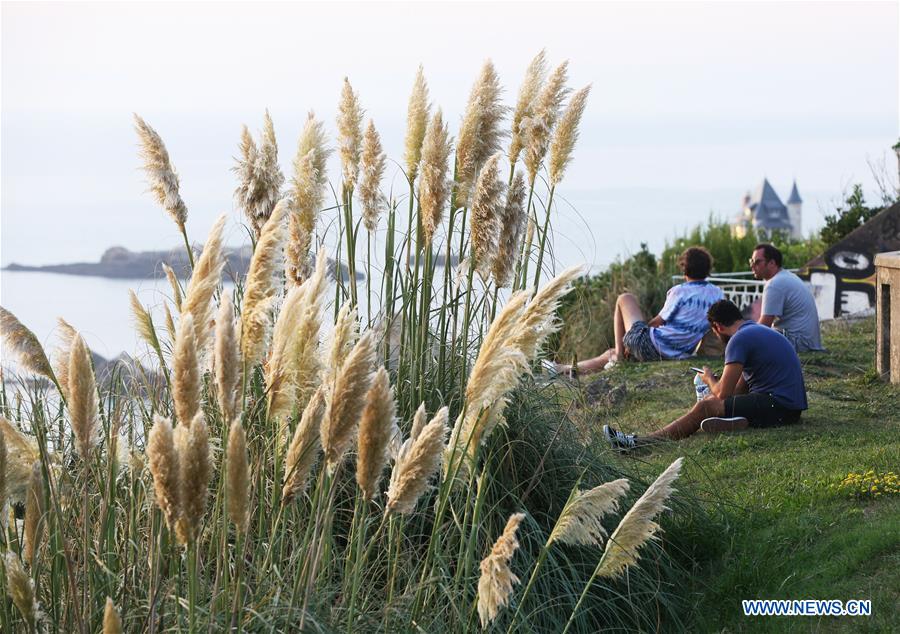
<point>763,211</point>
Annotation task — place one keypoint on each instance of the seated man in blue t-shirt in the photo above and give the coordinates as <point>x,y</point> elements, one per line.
<point>761,385</point>
<point>672,334</point>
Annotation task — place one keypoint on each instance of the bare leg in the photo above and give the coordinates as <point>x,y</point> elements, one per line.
<point>690,422</point>
<point>627,312</point>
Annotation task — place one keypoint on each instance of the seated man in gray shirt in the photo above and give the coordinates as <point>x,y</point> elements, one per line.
<point>787,304</point>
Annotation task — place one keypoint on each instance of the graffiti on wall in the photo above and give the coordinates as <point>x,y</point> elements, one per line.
<point>843,278</point>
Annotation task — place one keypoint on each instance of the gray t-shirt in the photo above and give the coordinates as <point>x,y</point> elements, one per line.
<point>787,298</point>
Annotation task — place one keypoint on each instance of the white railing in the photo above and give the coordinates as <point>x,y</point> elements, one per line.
<point>739,286</point>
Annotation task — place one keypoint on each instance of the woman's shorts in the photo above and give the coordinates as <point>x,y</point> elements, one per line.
<point>639,344</point>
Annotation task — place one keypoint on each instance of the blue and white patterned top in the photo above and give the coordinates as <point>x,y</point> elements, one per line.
<point>685,315</point>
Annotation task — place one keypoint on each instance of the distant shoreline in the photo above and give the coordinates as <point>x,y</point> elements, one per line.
<point>122,264</point>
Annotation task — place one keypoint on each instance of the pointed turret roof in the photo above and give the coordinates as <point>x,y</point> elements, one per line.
<point>795,195</point>
<point>768,210</point>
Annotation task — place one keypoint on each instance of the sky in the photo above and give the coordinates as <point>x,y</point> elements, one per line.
<point>687,97</point>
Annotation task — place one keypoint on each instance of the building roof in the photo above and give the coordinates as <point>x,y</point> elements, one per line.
<point>768,210</point>
<point>795,195</point>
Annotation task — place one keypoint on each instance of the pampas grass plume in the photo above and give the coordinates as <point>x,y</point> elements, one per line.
<point>416,122</point>
<point>638,525</point>
<point>34,514</point>
<point>82,391</point>
<point>566,135</point>
<point>186,385</point>
<point>227,364</point>
<point>375,430</point>
<point>539,126</point>
<point>112,622</point>
<point>143,321</point>
<point>349,124</point>
<point>531,86</point>
<point>434,186</point>
<point>512,225</point>
<point>173,282</point>
<point>539,317</point>
<point>479,134</point>
<point>579,522</point>
<point>205,278</point>
<point>21,453</point>
<point>238,477</point>
<point>259,287</point>
<point>373,164</point>
<point>417,462</point>
<point>63,354</point>
<point>161,176</point>
<point>348,398</point>
<point>497,580</point>
<point>304,447</point>
<point>20,588</point>
<point>162,459</point>
<point>196,470</point>
<point>307,195</point>
<point>25,345</point>
<point>487,208</point>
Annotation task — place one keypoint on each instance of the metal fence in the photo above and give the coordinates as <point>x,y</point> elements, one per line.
<point>739,286</point>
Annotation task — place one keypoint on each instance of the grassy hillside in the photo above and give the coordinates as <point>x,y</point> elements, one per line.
<point>787,528</point>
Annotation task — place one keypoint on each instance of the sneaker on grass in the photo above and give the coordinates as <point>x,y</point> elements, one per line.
<point>717,424</point>
<point>618,439</point>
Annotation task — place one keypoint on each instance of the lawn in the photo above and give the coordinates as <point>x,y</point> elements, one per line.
<point>780,527</point>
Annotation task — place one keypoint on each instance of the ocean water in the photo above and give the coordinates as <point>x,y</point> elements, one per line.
<point>590,227</point>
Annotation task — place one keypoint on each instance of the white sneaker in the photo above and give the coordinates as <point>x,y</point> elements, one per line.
<point>549,368</point>
<point>618,439</point>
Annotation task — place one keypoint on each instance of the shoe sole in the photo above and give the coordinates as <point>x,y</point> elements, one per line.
<point>717,424</point>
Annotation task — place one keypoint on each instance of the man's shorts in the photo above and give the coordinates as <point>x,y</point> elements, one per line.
<point>639,344</point>
<point>760,410</point>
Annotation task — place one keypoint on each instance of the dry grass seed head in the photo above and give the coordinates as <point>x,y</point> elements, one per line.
<point>307,196</point>
<point>434,184</point>
<point>293,369</point>
<point>34,514</point>
<point>227,360</point>
<point>186,380</point>
<point>579,522</point>
<point>304,447</point>
<point>416,122</point>
<point>375,429</point>
<point>173,282</point>
<point>161,176</point>
<point>373,165</point>
<point>143,321</point>
<point>538,128</point>
<point>638,525</point>
<point>416,464</point>
<point>261,286</point>
<point>112,622</point>
<point>21,453</point>
<point>24,345</point>
<point>83,405</point>
<point>20,588</point>
<point>162,459</point>
<point>349,124</point>
<point>539,318</point>
<point>531,86</point>
<point>62,354</point>
<point>566,135</point>
<point>196,470</point>
<point>480,133</point>
<point>487,208</point>
<point>348,398</point>
<point>343,338</point>
<point>497,580</point>
<point>238,477</point>
<point>512,225</point>
<point>204,281</point>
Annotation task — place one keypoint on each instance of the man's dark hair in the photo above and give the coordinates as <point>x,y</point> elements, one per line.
<point>696,263</point>
<point>724,313</point>
<point>770,253</point>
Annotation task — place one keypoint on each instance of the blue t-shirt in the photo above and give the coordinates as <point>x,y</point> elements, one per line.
<point>685,315</point>
<point>771,366</point>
